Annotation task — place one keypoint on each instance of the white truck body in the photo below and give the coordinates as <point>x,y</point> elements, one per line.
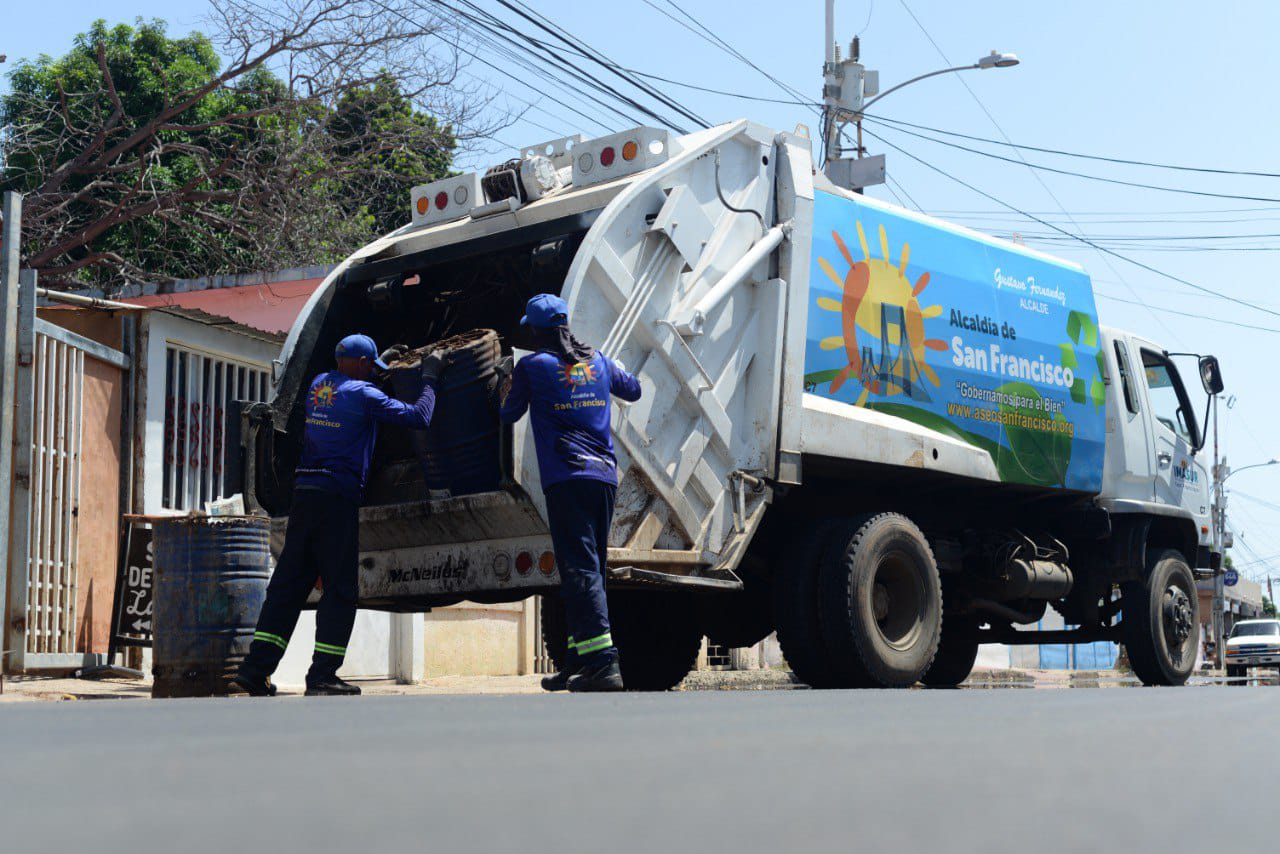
<point>695,268</point>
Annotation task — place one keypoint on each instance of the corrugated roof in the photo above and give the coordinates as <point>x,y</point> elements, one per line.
<point>201,316</point>
<point>267,307</point>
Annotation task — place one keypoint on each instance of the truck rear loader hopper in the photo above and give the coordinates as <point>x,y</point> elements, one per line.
<point>753,494</point>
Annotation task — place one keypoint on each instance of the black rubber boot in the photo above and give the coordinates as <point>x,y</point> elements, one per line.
<point>331,686</point>
<point>254,686</point>
<point>599,677</point>
<point>558,681</point>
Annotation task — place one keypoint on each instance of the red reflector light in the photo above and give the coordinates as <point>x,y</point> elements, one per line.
<point>547,563</point>
<point>442,200</point>
<point>524,563</point>
<point>607,155</point>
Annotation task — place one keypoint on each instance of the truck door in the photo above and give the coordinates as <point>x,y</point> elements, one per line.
<point>1130,446</point>
<point>1174,430</point>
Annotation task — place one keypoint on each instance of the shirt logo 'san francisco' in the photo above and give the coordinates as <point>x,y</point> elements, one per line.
<point>580,374</point>
<point>323,395</point>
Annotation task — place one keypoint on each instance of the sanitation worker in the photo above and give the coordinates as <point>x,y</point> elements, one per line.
<point>343,410</point>
<point>566,386</point>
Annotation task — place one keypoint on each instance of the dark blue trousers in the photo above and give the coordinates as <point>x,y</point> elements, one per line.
<point>322,542</point>
<point>580,513</point>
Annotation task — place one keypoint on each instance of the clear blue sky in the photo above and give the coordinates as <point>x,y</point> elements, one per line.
<point>1173,81</point>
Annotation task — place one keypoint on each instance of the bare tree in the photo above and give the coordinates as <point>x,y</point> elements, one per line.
<point>246,164</point>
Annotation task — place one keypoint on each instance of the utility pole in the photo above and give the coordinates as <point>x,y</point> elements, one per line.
<point>846,84</point>
<point>1219,538</point>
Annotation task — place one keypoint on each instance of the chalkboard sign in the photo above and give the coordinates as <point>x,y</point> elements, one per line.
<point>131,619</point>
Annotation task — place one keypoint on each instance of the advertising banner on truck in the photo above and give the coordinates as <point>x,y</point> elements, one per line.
<point>974,338</point>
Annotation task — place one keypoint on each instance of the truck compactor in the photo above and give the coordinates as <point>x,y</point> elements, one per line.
<point>886,437</point>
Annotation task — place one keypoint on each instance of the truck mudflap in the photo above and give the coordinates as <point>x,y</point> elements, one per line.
<point>423,554</point>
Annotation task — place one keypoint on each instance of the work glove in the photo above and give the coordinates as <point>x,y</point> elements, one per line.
<point>395,351</point>
<point>433,365</point>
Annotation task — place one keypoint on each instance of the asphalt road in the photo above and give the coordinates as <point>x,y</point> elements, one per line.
<point>1191,769</point>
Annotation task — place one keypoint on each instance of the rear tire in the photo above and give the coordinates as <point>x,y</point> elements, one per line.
<point>795,607</point>
<point>1159,619</point>
<point>957,651</point>
<point>881,603</point>
<point>657,636</point>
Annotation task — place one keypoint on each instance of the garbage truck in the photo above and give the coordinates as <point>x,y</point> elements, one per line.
<point>888,438</point>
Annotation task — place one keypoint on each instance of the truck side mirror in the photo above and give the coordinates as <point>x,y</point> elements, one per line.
<point>1211,375</point>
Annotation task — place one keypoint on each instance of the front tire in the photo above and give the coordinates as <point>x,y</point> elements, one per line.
<point>1236,672</point>
<point>881,603</point>
<point>1159,620</point>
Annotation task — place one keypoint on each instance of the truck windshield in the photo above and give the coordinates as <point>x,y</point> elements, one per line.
<point>1169,399</point>
<point>1246,630</point>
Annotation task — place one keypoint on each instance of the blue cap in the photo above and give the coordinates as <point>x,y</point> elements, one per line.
<point>545,311</point>
<point>358,347</point>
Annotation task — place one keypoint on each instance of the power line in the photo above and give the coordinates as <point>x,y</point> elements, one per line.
<point>1039,179</point>
<point>1077,237</point>
<point>891,182</point>
<point>1042,167</point>
<point>551,57</point>
<point>1190,314</point>
<point>727,94</point>
<point>588,52</point>
<point>1097,157</point>
<point>706,34</point>
<point>504,72</point>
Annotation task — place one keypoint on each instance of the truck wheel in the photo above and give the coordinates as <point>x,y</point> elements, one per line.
<point>957,651</point>
<point>1159,619</point>
<point>657,636</point>
<point>881,603</point>
<point>1234,672</point>
<point>795,607</point>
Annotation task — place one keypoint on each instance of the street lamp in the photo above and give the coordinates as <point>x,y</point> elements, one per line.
<point>847,83</point>
<point>1231,471</point>
<point>995,59</point>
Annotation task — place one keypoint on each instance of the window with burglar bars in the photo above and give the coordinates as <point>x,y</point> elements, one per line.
<point>199,391</point>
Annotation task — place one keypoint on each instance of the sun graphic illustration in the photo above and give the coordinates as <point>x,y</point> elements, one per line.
<point>879,302</point>
<point>322,396</point>
<point>581,373</point>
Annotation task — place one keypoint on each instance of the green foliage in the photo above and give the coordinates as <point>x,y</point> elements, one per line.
<point>144,157</point>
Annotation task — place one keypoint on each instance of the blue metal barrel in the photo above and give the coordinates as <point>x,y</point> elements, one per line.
<point>210,582</point>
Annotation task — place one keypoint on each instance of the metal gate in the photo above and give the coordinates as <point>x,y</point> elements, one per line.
<point>199,390</point>
<point>44,548</point>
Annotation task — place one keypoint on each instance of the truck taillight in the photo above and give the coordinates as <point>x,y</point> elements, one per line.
<point>547,563</point>
<point>524,563</point>
<point>621,154</point>
<point>451,198</point>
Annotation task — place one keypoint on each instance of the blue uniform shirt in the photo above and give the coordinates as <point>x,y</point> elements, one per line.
<point>342,424</point>
<point>569,408</point>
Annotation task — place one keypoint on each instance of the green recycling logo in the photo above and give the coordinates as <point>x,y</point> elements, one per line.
<point>1083,332</point>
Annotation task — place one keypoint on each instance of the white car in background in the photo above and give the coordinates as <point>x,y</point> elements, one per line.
<point>1253,643</point>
